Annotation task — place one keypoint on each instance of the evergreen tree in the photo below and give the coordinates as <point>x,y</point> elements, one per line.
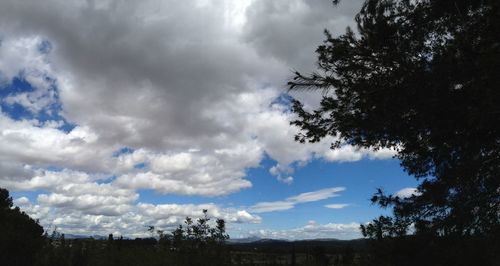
<point>420,77</point>
<point>21,237</point>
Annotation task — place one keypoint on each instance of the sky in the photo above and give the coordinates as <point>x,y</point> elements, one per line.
<point>117,115</point>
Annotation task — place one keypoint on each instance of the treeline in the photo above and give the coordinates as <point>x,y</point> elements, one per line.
<point>303,252</point>
<point>23,241</point>
<point>154,251</point>
<point>182,248</point>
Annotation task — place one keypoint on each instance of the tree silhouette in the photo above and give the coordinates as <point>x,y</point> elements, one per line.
<point>199,243</point>
<point>20,236</point>
<point>420,77</point>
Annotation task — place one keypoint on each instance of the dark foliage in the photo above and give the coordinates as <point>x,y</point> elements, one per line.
<point>420,77</point>
<point>23,242</point>
<point>304,252</point>
<point>20,236</point>
<point>195,243</point>
<point>200,244</point>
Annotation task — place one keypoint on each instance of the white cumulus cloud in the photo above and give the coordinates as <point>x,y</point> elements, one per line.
<point>407,192</point>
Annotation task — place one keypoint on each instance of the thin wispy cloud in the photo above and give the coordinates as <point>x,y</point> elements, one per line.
<point>337,205</point>
<point>290,202</point>
<point>316,195</point>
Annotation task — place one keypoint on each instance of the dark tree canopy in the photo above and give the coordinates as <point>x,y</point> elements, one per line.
<point>20,236</point>
<point>422,77</point>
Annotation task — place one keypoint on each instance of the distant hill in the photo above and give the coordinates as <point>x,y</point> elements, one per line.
<point>73,236</point>
<point>272,240</point>
<point>243,240</point>
<point>281,244</point>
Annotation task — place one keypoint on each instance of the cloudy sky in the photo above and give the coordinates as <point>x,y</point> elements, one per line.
<point>116,115</point>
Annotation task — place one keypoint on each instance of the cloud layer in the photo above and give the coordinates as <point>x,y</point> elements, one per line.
<point>180,98</point>
<point>312,230</point>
